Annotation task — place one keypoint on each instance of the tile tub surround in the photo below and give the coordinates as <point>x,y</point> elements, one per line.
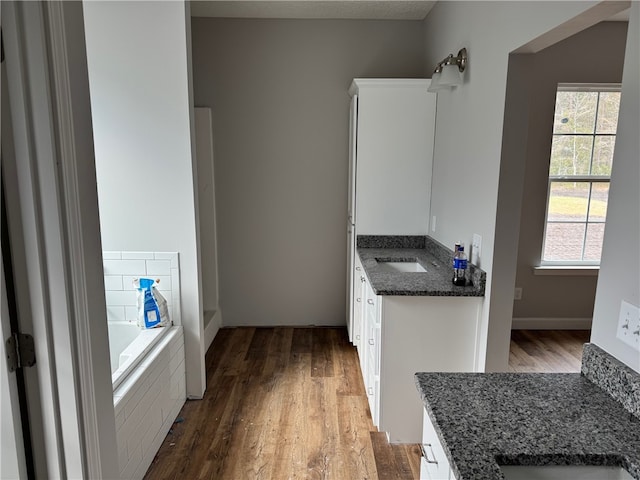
<point>613,376</point>
<point>120,268</point>
<point>484,420</point>
<point>432,255</point>
<point>147,403</point>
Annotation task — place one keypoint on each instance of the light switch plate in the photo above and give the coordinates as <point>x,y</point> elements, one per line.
<point>517,293</point>
<point>629,325</point>
<point>476,247</point>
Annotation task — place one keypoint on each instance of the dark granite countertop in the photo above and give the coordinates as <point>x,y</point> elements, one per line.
<point>484,420</point>
<point>433,256</point>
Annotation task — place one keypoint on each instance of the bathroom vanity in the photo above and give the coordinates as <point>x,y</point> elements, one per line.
<point>408,318</point>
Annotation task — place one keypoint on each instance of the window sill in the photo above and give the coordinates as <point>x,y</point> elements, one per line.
<point>567,270</point>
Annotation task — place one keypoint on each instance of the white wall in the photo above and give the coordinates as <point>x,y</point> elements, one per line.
<point>619,273</point>
<point>469,127</point>
<point>138,75</point>
<point>278,94</point>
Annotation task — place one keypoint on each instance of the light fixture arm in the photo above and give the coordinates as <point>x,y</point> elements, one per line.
<point>460,60</point>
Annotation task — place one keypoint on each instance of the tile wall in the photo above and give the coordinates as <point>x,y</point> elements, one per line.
<point>120,268</point>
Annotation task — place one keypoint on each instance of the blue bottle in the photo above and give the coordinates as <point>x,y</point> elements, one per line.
<point>151,311</point>
<point>459,266</point>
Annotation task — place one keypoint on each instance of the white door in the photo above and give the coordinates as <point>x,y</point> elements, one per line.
<point>13,460</point>
<point>351,214</point>
<point>12,455</point>
<point>51,199</point>
<point>350,280</point>
<point>353,151</point>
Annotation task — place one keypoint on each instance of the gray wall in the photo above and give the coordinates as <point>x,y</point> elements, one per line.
<point>278,93</point>
<point>595,55</point>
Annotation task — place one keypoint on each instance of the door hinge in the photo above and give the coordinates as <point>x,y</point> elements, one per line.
<point>21,351</point>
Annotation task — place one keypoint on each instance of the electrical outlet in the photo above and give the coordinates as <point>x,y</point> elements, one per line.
<point>475,249</point>
<point>629,325</point>
<point>517,293</point>
<point>433,223</point>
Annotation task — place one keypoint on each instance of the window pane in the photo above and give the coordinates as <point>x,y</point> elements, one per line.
<point>599,201</point>
<point>564,241</point>
<point>593,244</point>
<point>603,155</point>
<point>568,201</point>
<point>608,112</point>
<point>570,155</point>
<point>575,112</point>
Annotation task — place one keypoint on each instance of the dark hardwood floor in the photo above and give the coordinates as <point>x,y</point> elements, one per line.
<point>289,403</point>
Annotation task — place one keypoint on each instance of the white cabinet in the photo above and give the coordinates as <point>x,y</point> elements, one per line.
<point>393,133</point>
<point>392,125</point>
<point>402,335</point>
<point>434,464</point>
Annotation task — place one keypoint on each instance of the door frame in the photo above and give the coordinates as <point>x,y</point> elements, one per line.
<point>58,206</point>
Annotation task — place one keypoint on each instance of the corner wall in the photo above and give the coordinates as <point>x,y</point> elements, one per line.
<point>619,273</point>
<point>469,126</point>
<point>138,77</point>
<point>277,90</point>
<point>595,55</point>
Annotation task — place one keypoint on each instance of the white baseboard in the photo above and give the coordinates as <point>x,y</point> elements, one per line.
<point>542,323</point>
<point>212,323</point>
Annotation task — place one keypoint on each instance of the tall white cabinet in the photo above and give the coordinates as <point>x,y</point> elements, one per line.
<point>392,127</point>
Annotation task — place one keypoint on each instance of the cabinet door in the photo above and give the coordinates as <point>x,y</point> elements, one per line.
<point>372,357</point>
<point>359,329</point>
<point>434,464</point>
<point>358,283</point>
<point>396,124</point>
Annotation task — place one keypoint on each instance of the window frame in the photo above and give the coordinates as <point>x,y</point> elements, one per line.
<point>590,179</point>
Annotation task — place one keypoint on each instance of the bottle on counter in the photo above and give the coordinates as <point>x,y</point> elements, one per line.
<point>459,266</point>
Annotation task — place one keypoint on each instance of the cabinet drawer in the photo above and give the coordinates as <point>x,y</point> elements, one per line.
<point>434,464</point>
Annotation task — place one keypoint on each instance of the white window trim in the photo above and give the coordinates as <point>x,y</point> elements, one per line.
<point>572,267</point>
<point>567,270</point>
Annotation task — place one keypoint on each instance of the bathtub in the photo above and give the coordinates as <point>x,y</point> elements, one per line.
<point>128,344</point>
<point>148,399</point>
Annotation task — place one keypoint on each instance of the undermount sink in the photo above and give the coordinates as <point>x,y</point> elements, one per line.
<point>563,472</point>
<point>400,266</point>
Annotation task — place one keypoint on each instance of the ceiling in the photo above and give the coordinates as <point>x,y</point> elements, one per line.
<point>354,9</point>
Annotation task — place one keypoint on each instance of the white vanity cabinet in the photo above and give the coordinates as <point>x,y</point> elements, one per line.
<point>403,335</point>
<point>391,140</point>
<point>434,464</point>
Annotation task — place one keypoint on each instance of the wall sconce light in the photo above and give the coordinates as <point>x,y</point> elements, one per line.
<point>448,72</point>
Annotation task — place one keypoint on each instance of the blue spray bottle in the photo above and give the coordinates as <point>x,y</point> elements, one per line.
<point>151,311</point>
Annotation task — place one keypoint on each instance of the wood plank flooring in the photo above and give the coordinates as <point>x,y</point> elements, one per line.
<point>289,403</point>
<point>547,350</point>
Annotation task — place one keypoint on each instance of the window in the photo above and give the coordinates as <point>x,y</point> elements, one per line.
<point>584,135</point>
